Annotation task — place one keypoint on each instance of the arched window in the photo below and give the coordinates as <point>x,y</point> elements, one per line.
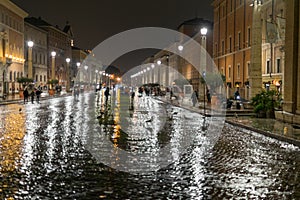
<point>10,75</point>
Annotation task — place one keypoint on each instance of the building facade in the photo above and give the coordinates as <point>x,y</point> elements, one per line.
<point>291,103</point>
<point>235,41</point>
<point>39,53</point>
<point>12,46</point>
<point>59,42</point>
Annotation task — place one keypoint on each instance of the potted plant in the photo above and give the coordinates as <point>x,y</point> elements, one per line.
<point>264,104</point>
<point>52,82</point>
<point>24,81</point>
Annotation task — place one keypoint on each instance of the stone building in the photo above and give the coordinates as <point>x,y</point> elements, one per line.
<point>39,52</point>
<point>11,46</point>
<point>291,103</point>
<point>59,42</point>
<point>249,44</point>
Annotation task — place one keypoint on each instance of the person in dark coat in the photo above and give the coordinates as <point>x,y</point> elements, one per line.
<point>32,95</point>
<point>106,93</point>
<point>38,95</point>
<point>208,96</point>
<point>25,94</point>
<point>194,98</point>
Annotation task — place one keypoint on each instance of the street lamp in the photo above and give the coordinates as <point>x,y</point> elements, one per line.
<point>30,45</point>
<point>53,54</point>
<point>180,47</point>
<point>68,74</point>
<point>203,32</point>
<point>204,87</point>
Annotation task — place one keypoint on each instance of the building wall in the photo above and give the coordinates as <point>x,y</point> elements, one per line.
<point>39,53</point>
<point>59,42</point>
<point>232,44</point>
<point>12,46</point>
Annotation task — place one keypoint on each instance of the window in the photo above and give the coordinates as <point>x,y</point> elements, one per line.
<point>223,47</point>
<point>10,75</point>
<point>15,75</point>
<point>230,46</point>
<point>238,71</point>
<point>41,78</point>
<point>229,72</point>
<point>231,5</point>
<point>239,40</point>
<point>44,78</point>
<point>36,78</point>
<point>249,37</point>
<point>268,67</point>
<point>247,70</point>
<point>278,67</point>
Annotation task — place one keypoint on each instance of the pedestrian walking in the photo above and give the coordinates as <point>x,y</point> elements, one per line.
<point>38,95</point>
<point>194,98</point>
<point>32,95</point>
<point>106,93</point>
<point>25,94</point>
<point>208,96</point>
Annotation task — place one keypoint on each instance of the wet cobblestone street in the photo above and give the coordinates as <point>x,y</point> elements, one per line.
<point>44,155</point>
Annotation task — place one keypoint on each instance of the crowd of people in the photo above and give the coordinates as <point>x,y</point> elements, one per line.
<point>32,92</point>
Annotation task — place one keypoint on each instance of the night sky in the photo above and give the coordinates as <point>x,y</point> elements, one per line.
<point>96,20</point>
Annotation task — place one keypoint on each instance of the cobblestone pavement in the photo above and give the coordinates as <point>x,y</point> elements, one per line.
<point>44,157</point>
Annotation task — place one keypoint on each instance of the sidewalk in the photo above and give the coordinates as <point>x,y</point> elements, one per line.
<point>16,98</point>
<point>243,118</point>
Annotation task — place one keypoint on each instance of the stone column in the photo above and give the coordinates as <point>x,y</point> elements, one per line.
<point>291,56</point>
<point>255,74</point>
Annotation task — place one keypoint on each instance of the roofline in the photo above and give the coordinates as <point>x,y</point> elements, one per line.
<point>37,27</point>
<point>16,9</point>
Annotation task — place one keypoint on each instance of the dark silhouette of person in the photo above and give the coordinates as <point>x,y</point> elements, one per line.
<point>194,98</point>
<point>38,95</point>
<point>106,93</point>
<point>236,94</point>
<point>26,95</point>
<point>32,96</point>
<point>208,96</point>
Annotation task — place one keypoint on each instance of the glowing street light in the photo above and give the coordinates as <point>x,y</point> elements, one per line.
<point>53,54</point>
<point>30,45</point>
<point>68,74</point>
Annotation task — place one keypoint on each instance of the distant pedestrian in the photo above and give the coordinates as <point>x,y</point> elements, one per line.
<point>208,96</point>
<point>32,95</point>
<point>106,93</point>
<point>194,98</point>
<point>132,95</point>
<point>38,95</point>
<point>25,94</point>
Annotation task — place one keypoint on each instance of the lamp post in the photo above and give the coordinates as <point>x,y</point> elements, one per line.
<point>203,32</point>
<point>78,67</point>
<point>53,54</point>
<point>204,87</point>
<point>30,45</point>
<point>68,74</point>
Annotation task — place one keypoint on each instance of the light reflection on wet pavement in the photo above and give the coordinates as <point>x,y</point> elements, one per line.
<point>43,156</point>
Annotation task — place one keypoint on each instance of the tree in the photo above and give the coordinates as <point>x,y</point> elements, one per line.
<point>264,103</point>
<point>24,81</point>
